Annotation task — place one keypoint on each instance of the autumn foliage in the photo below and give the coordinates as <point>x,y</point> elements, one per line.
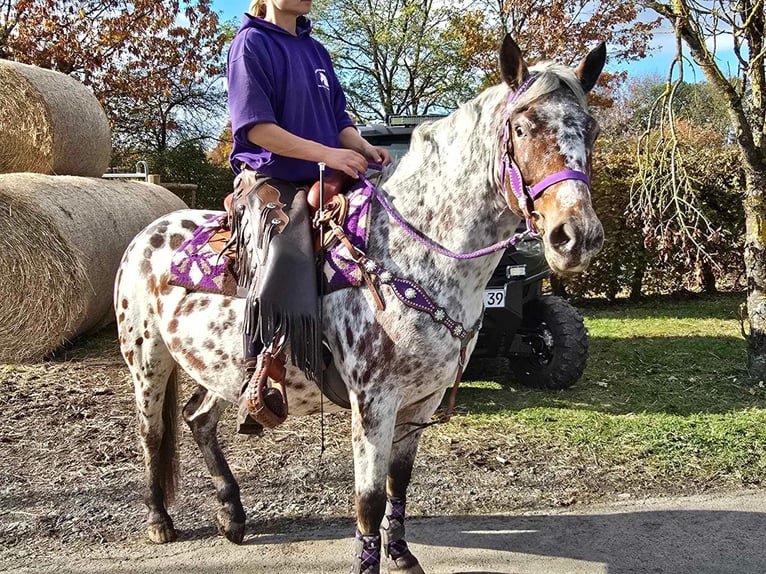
<point>144,59</point>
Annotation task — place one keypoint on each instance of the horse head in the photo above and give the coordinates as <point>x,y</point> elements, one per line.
<point>546,153</point>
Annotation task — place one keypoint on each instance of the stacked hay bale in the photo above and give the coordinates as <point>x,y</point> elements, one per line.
<point>51,123</point>
<point>61,236</point>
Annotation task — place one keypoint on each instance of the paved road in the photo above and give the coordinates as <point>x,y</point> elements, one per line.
<point>699,535</point>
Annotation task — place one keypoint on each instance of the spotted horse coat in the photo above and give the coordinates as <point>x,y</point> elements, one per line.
<point>398,362</point>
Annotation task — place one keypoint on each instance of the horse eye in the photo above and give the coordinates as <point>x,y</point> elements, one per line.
<point>519,131</point>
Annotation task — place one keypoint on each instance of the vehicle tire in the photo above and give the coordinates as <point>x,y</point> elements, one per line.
<point>556,332</point>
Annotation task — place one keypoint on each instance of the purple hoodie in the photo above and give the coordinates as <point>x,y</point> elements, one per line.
<point>288,80</point>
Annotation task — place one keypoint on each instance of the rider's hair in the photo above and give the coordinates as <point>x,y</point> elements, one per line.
<point>257,8</point>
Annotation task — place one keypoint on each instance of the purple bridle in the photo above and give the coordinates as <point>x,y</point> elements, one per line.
<point>525,194</point>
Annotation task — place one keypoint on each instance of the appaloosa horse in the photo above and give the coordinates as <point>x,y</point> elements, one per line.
<point>521,148</point>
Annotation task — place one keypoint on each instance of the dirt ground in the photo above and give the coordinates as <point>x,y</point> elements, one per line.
<point>71,474</point>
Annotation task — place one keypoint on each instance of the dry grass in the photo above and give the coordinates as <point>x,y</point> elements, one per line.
<point>52,124</point>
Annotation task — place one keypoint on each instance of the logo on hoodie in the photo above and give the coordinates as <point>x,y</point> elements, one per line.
<point>322,80</point>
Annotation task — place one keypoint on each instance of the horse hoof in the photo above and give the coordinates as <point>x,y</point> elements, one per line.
<point>233,531</point>
<point>161,532</point>
<point>405,565</point>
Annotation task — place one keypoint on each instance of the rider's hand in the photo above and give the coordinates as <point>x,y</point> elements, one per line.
<point>377,154</point>
<point>347,161</point>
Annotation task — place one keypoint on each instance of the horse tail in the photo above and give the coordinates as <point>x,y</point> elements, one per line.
<point>168,455</point>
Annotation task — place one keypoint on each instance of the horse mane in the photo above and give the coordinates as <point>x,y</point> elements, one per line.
<point>550,77</point>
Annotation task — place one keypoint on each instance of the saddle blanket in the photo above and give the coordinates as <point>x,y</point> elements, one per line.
<point>201,265</point>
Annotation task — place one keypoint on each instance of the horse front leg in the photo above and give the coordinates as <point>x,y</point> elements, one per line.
<point>372,420</point>
<point>406,438</point>
<point>202,413</point>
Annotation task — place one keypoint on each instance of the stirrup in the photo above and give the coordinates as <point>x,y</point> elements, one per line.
<point>264,398</point>
<point>245,423</point>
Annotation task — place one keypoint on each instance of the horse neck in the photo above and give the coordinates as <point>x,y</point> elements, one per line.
<point>446,188</point>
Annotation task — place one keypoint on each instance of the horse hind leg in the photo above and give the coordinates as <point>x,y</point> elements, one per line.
<point>405,446</point>
<point>202,413</point>
<point>156,398</point>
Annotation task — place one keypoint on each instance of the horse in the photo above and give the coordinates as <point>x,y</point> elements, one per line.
<point>520,149</point>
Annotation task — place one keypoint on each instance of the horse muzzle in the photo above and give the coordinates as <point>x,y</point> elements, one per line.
<point>571,245</point>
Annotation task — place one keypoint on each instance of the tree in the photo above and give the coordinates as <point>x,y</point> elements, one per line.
<point>553,29</point>
<point>395,56</point>
<point>154,64</point>
<point>700,25</point>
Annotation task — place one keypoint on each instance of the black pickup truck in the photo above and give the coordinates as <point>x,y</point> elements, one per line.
<point>542,335</point>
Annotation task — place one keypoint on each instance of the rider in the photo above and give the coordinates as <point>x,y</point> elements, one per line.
<point>288,113</point>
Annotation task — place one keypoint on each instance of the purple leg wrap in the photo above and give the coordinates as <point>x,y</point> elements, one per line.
<point>392,529</point>
<point>366,554</point>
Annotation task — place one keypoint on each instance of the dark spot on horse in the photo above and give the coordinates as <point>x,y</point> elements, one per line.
<point>157,241</point>
<point>147,393</point>
<point>165,286</point>
<point>299,386</point>
<point>146,334</point>
<point>139,341</point>
<point>189,307</point>
<point>349,336</point>
<point>173,326</point>
<point>176,240</point>
<point>175,343</point>
<point>225,356</point>
<point>121,318</point>
<point>209,344</point>
<point>226,302</point>
<point>124,303</point>
<point>153,287</point>
<point>187,224</point>
<point>159,307</point>
<point>129,357</point>
<point>195,361</point>
<point>219,352</point>
<point>146,323</point>
<point>145,267</point>
<point>204,303</point>
<point>148,253</point>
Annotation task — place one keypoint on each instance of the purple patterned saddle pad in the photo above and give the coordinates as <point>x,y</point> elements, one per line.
<point>198,266</point>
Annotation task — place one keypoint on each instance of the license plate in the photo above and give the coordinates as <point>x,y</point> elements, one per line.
<point>494,297</point>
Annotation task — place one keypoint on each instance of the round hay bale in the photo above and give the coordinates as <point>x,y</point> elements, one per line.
<point>51,124</point>
<point>61,242</point>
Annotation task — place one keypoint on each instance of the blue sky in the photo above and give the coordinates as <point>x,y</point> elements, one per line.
<point>657,64</point>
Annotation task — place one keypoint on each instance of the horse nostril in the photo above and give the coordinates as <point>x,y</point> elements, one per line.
<point>560,238</point>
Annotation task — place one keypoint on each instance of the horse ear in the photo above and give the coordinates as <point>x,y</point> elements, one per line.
<point>512,67</point>
<point>590,68</point>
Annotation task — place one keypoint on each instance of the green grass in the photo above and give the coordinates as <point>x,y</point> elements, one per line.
<point>665,390</point>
